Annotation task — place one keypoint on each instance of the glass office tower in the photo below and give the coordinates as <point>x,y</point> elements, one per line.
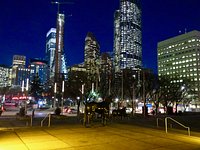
<point>128,35</point>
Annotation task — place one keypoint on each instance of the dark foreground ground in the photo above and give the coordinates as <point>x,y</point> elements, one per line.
<point>154,122</point>
<point>114,136</point>
<point>132,133</point>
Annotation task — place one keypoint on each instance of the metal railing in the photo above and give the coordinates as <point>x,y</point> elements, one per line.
<point>161,119</point>
<point>49,121</point>
<point>166,125</point>
<point>157,121</point>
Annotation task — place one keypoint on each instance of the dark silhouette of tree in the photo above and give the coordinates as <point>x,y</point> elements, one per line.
<point>73,87</point>
<point>36,88</point>
<point>170,91</point>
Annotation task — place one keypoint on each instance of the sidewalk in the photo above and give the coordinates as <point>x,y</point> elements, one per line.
<point>111,137</point>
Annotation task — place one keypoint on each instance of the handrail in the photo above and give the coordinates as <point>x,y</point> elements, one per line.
<point>157,121</point>
<point>49,123</point>
<point>188,128</point>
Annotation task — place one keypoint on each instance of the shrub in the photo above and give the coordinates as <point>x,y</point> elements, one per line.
<point>22,111</point>
<point>57,111</point>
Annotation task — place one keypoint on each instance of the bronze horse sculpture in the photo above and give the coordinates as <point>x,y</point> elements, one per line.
<point>96,109</point>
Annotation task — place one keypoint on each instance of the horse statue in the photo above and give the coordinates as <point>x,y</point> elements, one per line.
<point>94,110</point>
<point>119,113</point>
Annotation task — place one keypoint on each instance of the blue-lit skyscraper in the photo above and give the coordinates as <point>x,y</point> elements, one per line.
<point>50,51</point>
<point>40,68</point>
<point>51,54</point>
<point>127,35</point>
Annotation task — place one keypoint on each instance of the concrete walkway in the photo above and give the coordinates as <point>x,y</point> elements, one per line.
<point>111,137</point>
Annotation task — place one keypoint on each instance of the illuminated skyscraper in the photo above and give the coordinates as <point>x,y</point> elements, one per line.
<point>59,46</point>
<point>40,68</point>
<point>5,76</point>
<point>19,72</point>
<point>50,51</point>
<point>128,35</point>
<point>55,50</point>
<point>92,55</point>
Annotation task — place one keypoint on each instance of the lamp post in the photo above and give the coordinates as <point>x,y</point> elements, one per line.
<point>63,90</point>
<point>122,92</point>
<point>26,95</point>
<point>143,93</point>
<point>55,89</point>
<point>133,98</point>
<point>117,101</point>
<point>23,96</point>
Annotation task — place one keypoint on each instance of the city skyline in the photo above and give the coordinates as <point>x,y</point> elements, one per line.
<point>24,26</point>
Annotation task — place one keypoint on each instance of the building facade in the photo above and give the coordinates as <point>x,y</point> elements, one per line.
<point>105,73</point>
<point>128,35</point>
<point>51,55</point>
<point>50,51</point>
<point>19,72</point>
<point>5,76</point>
<point>40,68</point>
<point>179,58</point>
<point>92,56</point>
<point>60,61</point>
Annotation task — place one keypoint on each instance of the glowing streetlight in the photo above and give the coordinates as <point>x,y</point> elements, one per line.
<point>55,89</point>
<point>63,90</point>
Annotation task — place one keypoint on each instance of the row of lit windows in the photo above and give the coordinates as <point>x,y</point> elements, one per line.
<point>184,75</point>
<point>164,52</point>
<point>169,56</point>
<point>180,44</point>
<point>23,69</point>
<point>178,62</point>
<point>178,68</point>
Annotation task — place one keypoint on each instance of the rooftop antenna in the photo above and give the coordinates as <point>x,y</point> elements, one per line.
<point>60,3</point>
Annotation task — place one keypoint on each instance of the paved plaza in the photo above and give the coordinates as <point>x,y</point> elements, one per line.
<point>111,137</point>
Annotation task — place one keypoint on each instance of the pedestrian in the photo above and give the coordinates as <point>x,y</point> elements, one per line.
<point>153,112</point>
<point>33,113</point>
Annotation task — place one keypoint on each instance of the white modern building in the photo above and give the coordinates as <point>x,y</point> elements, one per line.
<point>179,58</point>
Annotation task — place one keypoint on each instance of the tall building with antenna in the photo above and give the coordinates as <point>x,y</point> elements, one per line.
<point>59,45</point>
<point>128,35</point>
<point>59,58</point>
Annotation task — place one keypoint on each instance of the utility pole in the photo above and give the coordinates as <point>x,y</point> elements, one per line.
<point>143,92</point>
<point>122,92</point>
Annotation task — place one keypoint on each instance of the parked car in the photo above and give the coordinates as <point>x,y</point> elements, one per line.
<point>72,111</point>
<point>66,109</point>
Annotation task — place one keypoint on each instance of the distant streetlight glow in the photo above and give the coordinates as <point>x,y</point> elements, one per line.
<point>55,86</point>
<point>23,86</point>
<point>63,86</point>
<point>27,82</point>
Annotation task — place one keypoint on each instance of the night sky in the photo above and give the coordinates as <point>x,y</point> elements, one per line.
<point>24,24</point>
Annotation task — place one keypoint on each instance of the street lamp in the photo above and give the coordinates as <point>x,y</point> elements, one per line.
<point>63,90</point>
<point>26,95</point>
<point>55,89</point>
<point>182,87</point>
<point>117,102</point>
